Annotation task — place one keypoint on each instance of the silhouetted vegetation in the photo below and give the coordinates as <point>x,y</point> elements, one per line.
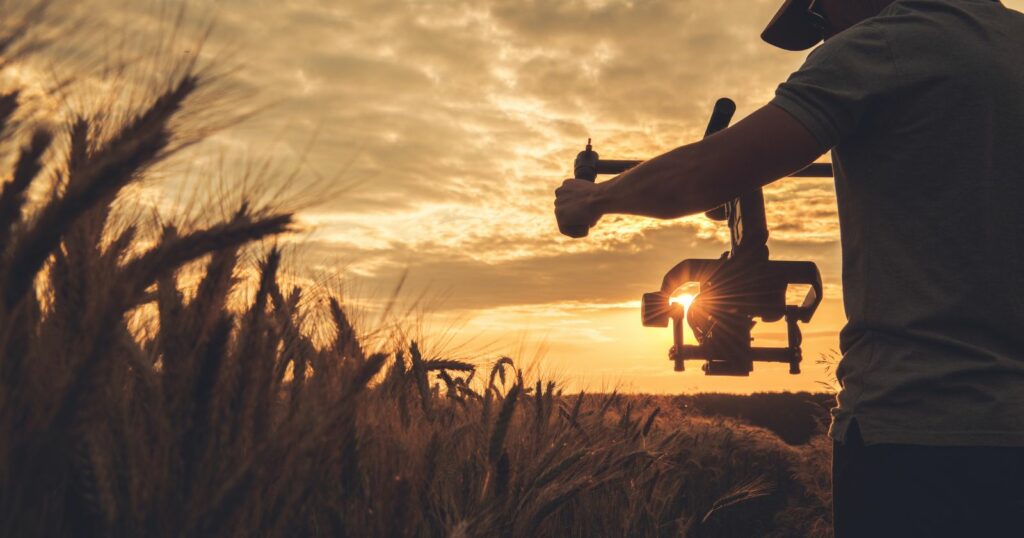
<point>132,404</point>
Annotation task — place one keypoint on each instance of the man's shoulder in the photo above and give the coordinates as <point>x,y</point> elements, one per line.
<point>920,18</point>
<point>903,18</point>
<point>924,31</point>
<point>867,40</point>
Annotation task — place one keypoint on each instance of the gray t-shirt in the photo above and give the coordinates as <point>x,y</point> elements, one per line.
<point>923,107</point>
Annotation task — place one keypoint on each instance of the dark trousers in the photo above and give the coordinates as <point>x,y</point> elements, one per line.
<point>926,491</point>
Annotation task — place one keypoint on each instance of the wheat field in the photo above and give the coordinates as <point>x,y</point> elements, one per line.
<point>224,418</point>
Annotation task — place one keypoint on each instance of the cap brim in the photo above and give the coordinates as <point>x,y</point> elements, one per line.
<point>790,29</point>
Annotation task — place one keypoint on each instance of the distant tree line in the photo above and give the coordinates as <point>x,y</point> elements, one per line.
<point>796,417</point>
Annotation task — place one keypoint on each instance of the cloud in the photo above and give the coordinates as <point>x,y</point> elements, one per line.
<point>456,119</point>
<point>620,273</point>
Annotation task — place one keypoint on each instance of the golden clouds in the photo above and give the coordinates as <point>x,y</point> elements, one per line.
<point>458,118</point>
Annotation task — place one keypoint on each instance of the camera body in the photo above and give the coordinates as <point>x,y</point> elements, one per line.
<point>733,292</point>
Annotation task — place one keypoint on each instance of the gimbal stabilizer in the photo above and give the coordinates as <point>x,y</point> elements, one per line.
<point>734,289</point>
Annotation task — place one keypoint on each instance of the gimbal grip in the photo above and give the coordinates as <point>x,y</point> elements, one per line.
<point>584,168</point>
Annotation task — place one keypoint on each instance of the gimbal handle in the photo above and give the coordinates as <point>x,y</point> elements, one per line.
<point>589,164</point>
<point>791,272</point>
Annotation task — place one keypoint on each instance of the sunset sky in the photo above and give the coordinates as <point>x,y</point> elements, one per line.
<point>451,122</point>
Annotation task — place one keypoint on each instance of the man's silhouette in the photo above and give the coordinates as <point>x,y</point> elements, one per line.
<point>922,105</point>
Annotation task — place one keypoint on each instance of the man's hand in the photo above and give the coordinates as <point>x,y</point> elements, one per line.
<point>575,208</point>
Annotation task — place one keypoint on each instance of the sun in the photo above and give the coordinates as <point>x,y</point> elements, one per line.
<point>685,299</point>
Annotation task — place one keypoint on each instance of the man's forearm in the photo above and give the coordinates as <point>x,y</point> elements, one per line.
<point>677,183</point>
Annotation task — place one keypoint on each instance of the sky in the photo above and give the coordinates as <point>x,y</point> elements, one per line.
<point>447,124</point>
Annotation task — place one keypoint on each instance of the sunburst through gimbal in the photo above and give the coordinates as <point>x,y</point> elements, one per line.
<point>685,299</point>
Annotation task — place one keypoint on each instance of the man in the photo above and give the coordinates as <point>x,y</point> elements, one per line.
<point>922,105</point>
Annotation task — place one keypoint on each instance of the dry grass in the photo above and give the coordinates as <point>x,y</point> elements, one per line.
<point>223,421</point>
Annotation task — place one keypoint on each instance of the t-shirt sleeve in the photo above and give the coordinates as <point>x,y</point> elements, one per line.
<point>839,82</point>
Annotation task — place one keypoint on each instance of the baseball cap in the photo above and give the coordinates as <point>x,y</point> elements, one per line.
<point>791,28</point>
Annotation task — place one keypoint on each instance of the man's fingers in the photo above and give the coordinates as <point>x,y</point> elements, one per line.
<point>566,186</point>
<point>571,209</point>
<point>562,192</point>
<point>560,214</point>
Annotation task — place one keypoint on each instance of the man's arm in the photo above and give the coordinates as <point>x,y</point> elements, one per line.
<point>765,146</point>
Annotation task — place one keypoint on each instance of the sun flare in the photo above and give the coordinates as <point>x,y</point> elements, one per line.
<point>685,299</point>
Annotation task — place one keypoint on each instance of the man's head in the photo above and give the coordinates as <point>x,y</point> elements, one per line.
<point>801,24</point>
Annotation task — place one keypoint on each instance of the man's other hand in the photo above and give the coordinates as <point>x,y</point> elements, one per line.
<point>575,208</point>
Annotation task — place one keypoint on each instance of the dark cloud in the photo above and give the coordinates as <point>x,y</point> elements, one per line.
<point>614,275</point>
